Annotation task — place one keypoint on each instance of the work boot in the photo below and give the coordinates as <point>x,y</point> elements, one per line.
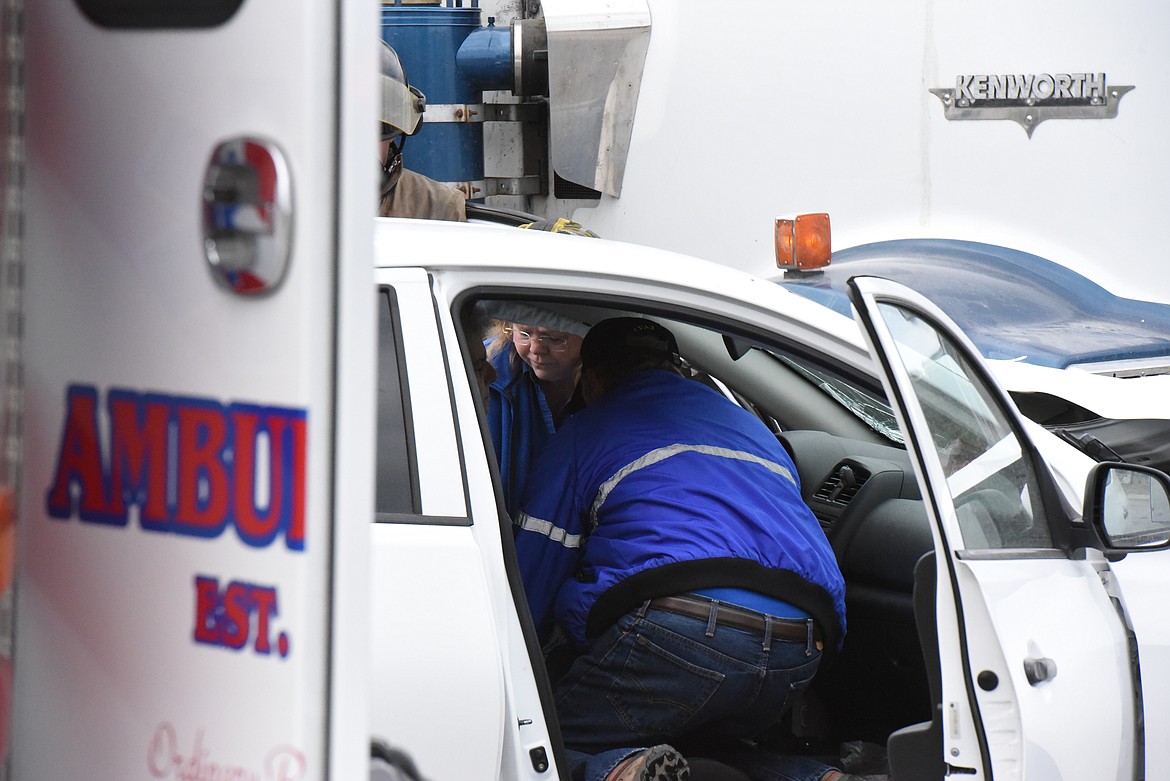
<point>657,763</point>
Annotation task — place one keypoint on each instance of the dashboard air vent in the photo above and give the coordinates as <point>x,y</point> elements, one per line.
<point>842,485</point>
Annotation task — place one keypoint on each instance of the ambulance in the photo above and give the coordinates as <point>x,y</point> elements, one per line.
<point>258,526</point>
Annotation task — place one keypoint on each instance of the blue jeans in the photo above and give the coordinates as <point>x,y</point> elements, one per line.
<point>655,677</point>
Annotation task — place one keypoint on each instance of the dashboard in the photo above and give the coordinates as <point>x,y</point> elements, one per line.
<point>867,499</point>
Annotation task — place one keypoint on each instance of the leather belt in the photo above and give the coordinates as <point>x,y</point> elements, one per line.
<point>791,629</point>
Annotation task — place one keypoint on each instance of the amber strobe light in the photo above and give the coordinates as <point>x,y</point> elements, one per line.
<point>802,242</point>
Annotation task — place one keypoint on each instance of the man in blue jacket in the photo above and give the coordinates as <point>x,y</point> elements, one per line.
<point>663,531</point>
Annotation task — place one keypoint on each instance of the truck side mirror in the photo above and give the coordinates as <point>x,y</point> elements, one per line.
<point>1128,507</point>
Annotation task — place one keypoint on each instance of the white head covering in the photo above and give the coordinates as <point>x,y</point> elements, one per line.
<point>519,312</point>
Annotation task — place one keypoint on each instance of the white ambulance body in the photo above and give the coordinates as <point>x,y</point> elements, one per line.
<point>210,631</point>
<point>259,520</point>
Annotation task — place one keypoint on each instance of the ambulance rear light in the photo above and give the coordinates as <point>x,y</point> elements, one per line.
<point>803,242</point>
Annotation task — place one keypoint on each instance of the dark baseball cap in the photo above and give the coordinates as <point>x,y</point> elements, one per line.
<point>627,339</point>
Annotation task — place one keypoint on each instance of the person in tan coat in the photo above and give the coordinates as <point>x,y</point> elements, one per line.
<point>405,193</point>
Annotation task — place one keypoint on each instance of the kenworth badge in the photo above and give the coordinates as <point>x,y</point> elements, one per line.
<point>1032,98</point>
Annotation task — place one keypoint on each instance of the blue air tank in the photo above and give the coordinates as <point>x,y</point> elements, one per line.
<point>427,38</point>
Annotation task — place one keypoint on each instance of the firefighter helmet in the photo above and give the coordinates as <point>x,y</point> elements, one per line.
<point>402,110</point>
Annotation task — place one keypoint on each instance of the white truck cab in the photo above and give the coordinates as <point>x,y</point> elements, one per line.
<point>942,509</point>
<point>259,522</point>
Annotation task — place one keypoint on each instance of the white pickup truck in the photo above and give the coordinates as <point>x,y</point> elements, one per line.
<point>951,516</point>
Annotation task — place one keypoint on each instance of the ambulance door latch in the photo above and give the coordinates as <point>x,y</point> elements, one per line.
<point>247,215</point>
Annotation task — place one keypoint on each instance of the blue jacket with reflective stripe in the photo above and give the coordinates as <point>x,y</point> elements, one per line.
<point>519,420</point>
<point>661,487</point>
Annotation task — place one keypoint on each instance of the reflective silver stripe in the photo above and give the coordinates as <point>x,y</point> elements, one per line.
<point>554,533</point>
<point>663,453</point>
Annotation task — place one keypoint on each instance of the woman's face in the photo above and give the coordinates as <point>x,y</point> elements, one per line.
<point>553,356</point>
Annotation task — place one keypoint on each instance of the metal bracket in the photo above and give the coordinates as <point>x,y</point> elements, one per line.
<point>482,112</point>
<point>513,185</point>
<point>453,112</point>
<point>498,185</point>
<point>513,112</point>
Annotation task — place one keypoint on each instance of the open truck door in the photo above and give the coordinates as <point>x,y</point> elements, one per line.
<point>198,350</point>
<point>1035,644</point>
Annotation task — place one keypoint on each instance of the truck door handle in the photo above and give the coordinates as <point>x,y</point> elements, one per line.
<point>1039,669</point>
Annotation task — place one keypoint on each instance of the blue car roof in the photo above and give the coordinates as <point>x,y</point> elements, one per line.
<point>1012,305</point>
